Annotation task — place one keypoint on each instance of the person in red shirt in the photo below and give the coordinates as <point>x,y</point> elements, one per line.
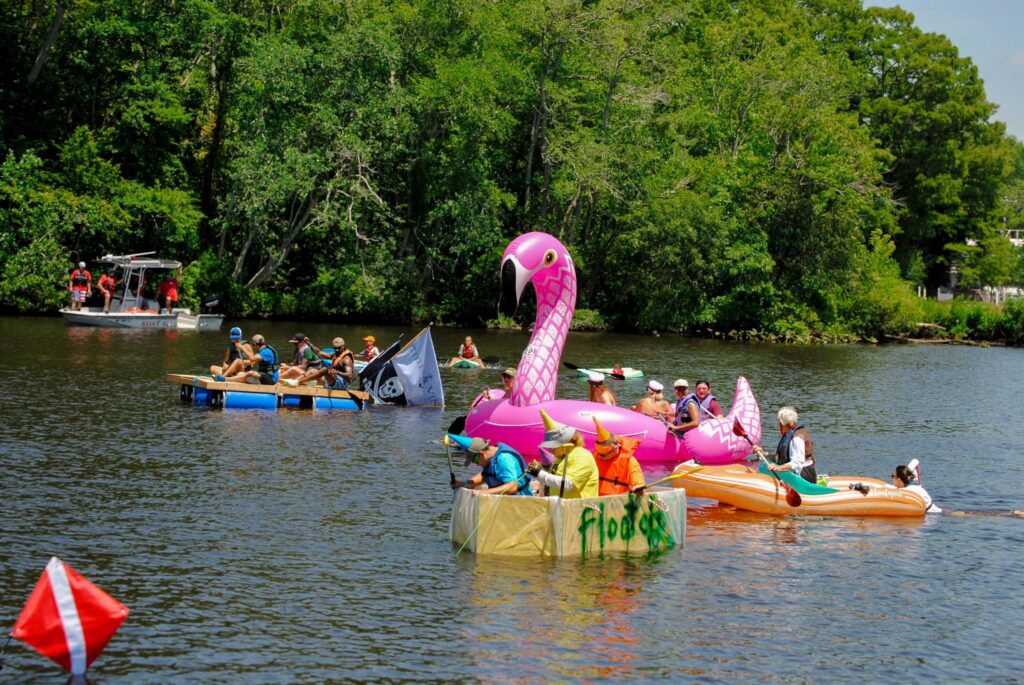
<point>80,285</point>
<point>107,286</point>
<point>168,292</point>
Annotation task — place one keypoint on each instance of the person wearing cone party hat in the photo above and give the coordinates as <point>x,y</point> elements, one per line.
<point>68,619</point>
<point>503,470</point>
<point>574,470</point>
<point>617,469</point>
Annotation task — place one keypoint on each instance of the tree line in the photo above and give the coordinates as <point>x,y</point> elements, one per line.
<point>790,166</point>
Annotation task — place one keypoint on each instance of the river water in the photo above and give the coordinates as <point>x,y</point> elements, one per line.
<point>302,546</point>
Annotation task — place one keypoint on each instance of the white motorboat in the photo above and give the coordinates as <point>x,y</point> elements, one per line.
<point>129,309</point>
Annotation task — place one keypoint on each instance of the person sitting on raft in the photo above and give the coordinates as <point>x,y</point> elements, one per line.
<point>467,353</point>
<point>687,415</point>
<point>237,355</point>
<point>618,471</point>
<point>370,351</point>
<point>654,405</point>
<point>597,391</point>
<point>709,406</point>
<point>508,376</point>
<point>503,470</point>
<point>304,360</point>
<point>795,451</point>
<point>339,372</point>
<point>571,457</point>
<point>906,477</point>
<point>265,364</point>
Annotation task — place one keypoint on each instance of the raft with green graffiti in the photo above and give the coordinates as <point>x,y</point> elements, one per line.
<point>554,527</point>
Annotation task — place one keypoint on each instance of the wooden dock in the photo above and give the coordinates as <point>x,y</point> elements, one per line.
<point>205,390</point>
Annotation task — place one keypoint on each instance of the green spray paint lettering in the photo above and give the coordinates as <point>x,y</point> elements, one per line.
<point>652,524</point>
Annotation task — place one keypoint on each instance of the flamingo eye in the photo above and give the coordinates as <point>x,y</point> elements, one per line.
<point>549,257</point>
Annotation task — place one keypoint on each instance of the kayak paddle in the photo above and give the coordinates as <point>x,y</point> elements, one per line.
<point>616,376</point>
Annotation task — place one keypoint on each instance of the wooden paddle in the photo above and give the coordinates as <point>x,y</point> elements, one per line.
<point>616,376</point>
<point>793,497</point>
<point>669,477</point>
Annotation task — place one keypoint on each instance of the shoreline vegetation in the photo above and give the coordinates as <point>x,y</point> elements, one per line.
<point>771,171</point>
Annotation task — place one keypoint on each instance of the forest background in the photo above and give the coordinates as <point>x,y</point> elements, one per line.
<point>776,168</point>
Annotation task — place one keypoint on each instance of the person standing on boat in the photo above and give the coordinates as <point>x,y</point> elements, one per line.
<point>575,471</point>
<point>618,470</point>
<point>654,404</point>
<point>79,285</point>
<point>597,390</point>
<point>709,406</point>
<point>371,350</point>
<point>795,451</point>
<point>304,360</point>
<point>687,414</point>
<point>236,356</point>
<point>468,352</point>
<point>906,478</point>
<point>107,285</point>
<point>338,373</point>
<point>503,470</point>
<point>167,293</point>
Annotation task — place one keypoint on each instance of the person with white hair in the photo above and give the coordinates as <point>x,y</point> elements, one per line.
<point>795,451</point>
<point>654,404</point>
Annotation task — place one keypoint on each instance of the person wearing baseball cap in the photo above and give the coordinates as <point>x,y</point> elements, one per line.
<point>79,285</point>
<point>654,404</point>
<point>304,360</point>
<point>597,390</point>
<point>264,364</point>
<point>575,471</point>
<point>687,413</point>
<point>370,351</point>
<point>338,369</point>
<point>236,356</point>
<point>503,470</point>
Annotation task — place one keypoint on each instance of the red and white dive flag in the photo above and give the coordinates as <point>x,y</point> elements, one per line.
<point>68,619</point>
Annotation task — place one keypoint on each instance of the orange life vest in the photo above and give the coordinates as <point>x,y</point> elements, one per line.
<point>613,474</point>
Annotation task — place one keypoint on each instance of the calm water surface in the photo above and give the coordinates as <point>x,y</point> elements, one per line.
<point>304,546</point>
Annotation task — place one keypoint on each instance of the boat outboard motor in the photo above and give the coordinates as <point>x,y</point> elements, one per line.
<point>210,301</point>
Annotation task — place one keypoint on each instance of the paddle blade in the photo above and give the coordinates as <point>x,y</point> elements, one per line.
<point>738,429</point>
<point>617,376</point>
<point>458,425</point>
<point>570,366</point>
<point>793,497</point>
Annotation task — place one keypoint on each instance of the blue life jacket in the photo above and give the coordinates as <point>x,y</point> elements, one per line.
<point>681,408</point>
<point>263,366</point>
<point>491,478</point>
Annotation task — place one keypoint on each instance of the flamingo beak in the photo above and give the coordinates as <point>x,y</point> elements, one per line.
<point>513,279</point>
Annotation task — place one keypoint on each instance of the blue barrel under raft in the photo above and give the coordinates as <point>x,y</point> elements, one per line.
<point>200,390</point>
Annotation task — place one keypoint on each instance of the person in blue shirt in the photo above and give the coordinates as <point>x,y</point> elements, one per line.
<point>265,364</point>
<point>504,470</point>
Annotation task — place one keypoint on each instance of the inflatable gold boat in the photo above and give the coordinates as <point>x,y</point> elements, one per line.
<point>746,486</point>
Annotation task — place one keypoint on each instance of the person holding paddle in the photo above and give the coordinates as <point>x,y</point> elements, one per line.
<point>687,414</point>
<point>575,471</point>
<point>795,451</point>
<point>503,470</point>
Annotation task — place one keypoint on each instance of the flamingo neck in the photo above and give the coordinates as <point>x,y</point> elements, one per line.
<point>537,373</point>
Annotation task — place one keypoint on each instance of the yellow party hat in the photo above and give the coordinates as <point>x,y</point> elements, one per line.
<point>603,436</point>
<point>549,423</point>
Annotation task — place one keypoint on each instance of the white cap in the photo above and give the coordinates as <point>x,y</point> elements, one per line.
<point>655,386</point>
<point>595,377</point>
<point>681,383</point>
<point>81,265</point>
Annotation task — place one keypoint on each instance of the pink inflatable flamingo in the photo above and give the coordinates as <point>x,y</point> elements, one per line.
<point>540,259</point>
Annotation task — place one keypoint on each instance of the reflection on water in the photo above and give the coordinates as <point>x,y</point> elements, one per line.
<point>304,546</point>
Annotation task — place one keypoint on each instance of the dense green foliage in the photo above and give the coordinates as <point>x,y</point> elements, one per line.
<point>788,166</point>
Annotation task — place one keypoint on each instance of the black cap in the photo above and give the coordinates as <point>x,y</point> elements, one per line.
<point>298,337</point>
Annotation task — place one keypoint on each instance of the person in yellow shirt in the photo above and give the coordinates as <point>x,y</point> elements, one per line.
<point>571,457</point>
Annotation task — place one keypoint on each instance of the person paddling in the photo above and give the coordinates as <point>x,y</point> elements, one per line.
<point>795,451</point>
<point>575,471</point>
<point>503,469</point>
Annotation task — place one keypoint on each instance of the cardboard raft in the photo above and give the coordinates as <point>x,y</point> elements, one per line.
<point>205,390</point>
<point>554,527</point>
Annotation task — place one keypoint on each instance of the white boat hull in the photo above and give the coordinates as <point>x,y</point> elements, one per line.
<point>179,319</point>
